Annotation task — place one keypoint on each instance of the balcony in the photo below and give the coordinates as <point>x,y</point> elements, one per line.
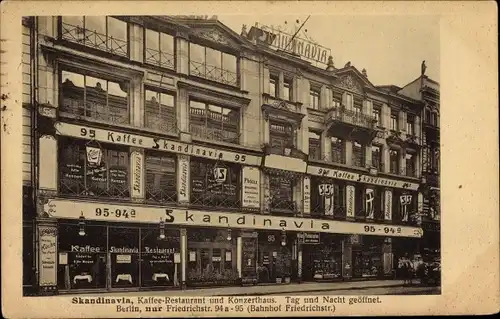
<point>349,117</point>
<point>213,73</point>
<point>159,58</point>
<point>214,126</point>
<point>93,39</point>
<point>161,122</point>
<point>273,107</point>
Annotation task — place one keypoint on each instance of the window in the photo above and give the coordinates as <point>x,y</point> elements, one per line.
<point>99,32</point>
<point>376,115</point>
<point>376,157</point>
<point>214,122</point>
<point>82,173</point>
<point>212,64</point>
<point>338,150</point>
<point>327,197</point>
<point>314,99</point>
<point>394,121</point>
<point>159,49</point>
<point>349,101</point>
<point>281,135</point>
<point>358,106</point>
<point>410,165</point>
<point>336,104</point>
<point>410,120</point>
<point>427,116</point>
<point>394,162</point>
<point>281,193</point>
<point>287,90</point>
<point>358,154</point>
<point>160,111</point>
<point>359,202</point>
<point>215,184</point>
<point>273,86</point>
<point>314,145</point>
<point>95,98</point>
<point>161,177</point>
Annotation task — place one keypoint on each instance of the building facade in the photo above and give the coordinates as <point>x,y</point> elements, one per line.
<point>171,152</point>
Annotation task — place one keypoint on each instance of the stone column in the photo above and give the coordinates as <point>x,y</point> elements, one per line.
<point>348,152</point>
<point>402,161</point>
<point>385,159</point>
<point>326,149</point>
<point>281,84</point>
<point>183,110</point>
<point>183,242</point>
<point>137,103</point>
<point>239,259</point>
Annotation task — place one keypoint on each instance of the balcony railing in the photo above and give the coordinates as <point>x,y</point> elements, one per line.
<point>282,205</point>
<point>280,104</point>
<point>351,117</point>
<point>93,189</point>
<point>93,39</point>
<point>160,58</point>
<point>213,73</point>
<point>336,212</point>
<point>214,134</point>
<point>160,195</point>
<point>97,111</point>
<point>161,123</point>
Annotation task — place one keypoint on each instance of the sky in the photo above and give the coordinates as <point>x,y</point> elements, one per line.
<point>390,47</point>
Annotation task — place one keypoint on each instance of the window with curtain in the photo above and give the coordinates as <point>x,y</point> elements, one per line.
<point>159,49</point>
<point>410,165</point>
<point>376,157</point>
<point>358,154</point>
<point>394,121</point>
<point>213,65</point>
<point>394,161</point>
<point>287,90</point>
<point>410,122</point>
<point>215,184</point>
<point>281,135</point>
<point>214,122</point>
<point>82,173</point>
<point>94,98</point>
<point>338,150</point>
<point>99,32</point>
<point>314,99</point>
<point>314,145</point>
<point>160,111</point>
<point>161,177</point>
<point>281,193</point>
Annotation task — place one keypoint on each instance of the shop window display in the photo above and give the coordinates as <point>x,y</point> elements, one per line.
<point>81,258</point>
<point>157,254</point>
<point>124,255</point>
<point>368,258</point>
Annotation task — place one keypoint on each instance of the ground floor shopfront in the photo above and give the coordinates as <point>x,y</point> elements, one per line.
<point>85,246</point>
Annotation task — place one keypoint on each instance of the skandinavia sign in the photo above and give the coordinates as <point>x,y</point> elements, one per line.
<point>160,144</point>
<point>59,208</point>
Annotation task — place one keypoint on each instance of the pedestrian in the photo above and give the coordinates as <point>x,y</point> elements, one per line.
<point>403,269</point>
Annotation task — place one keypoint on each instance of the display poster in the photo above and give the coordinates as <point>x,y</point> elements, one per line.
<point>250,187</point>
<point>350,201</point>
<point>47,238</point>
<point>137,176</point>
<point>307,195</point>
<point>183,179</point>
<point>388,205</point>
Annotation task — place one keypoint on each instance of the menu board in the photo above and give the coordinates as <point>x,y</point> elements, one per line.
<point>118,175</point>
<point>72,171</point>
<point>97,173</point>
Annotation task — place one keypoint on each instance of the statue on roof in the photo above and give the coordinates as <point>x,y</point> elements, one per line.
<point>348,64</point>
<point>244,32</point>
<point>423,67</point>
<point>330,66</point>
<point>364,73</point>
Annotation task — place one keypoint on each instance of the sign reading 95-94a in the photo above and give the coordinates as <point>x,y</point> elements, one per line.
<point>72,209</point>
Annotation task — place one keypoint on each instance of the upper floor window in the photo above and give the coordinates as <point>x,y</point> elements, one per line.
<point>358,106</point>
<point>410,122</point>
<point>338,150</point>
<point>336,103</point>
<point>160,111</point>
<point>215,184</point>
<point>349,101</point>
<point>281,193</point>
<point>314,99</point>
<point>213,65</point>
<point>99,32</point>
<point>394,162</point>
<point>376,157</point>
<point>358,154</point>
<point>328,197</point>
<point>273,86</point>
<point>281,135</point>
<point>434,119</point>
<point>394,121</point>
<point>314,145</point>
<point>214,122</point>
<point>410,165</point>
<point>376,115</point>
<point>93,170</point>
<point>287,90</point>
<point>93,97</point>
<point>159,49</point>
<point>161,177</point>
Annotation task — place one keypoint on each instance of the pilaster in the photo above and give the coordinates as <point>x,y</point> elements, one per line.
<point>48,163</point>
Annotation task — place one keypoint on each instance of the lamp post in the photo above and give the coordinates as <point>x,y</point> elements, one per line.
<point>162,229</point>
<point>283,238</point>
<point>229,234</point>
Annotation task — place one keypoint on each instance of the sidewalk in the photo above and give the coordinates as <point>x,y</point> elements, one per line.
<point>266,289</point>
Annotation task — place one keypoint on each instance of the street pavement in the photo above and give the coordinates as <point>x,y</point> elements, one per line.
<point>374,287</point>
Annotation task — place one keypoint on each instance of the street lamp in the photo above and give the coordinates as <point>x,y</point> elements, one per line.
<point>162,229</point>
<point>81,224</point>
<point>283,238</point>
<point>229,234</point>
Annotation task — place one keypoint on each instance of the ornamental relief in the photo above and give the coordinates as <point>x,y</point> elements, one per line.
<point>349,83</point>
<point>215,36</point>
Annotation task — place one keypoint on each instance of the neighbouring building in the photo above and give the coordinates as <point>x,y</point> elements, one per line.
<point>427,90</point>
<point>165,152</point>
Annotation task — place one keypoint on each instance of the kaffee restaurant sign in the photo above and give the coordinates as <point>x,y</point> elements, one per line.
<point>59,208</point>
<point>113,137</point>
<point>355,177</point>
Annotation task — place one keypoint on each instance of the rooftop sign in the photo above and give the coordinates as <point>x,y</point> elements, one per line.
<point>300,45</point>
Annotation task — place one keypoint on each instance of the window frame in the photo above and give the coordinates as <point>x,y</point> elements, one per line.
<point>275,80</point>
<point>173,56</point>
<point>342,150</point>
<point>319,146</point>
<point>362,154</point>
<point>288,83</point>
<point>170,127</point>
<point>394,122</point>
<point>171,196</point>
<point>288,142</point>
<point>314,95</point>
<point>192,64</point>
<point>398,159</point>
<point>410,124</point>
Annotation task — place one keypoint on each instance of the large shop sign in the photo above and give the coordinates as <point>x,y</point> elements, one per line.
<point>59,208</point>
<point>113,137</point>
<point>355,177</point>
